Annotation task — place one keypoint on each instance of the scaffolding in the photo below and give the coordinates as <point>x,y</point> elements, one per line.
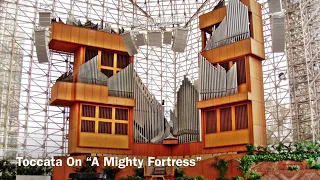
<point>302,37</point>
<point>32,128</point>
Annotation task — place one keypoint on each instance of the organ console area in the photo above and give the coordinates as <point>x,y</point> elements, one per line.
<point>112,112</point>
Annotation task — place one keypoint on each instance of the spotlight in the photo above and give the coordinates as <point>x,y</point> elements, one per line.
<point>282,76</point>
<point>315,67</point>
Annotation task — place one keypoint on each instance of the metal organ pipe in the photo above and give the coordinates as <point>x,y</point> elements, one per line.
<point>188,114</point>
<point>120,84</point>
<point>150,124</point>
<point>90,74</point>
<point>234,27</point>
<point>217,82</point>
<point>148,114</point>
<point>232,87</point>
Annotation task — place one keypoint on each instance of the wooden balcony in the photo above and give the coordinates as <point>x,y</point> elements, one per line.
<point>91,93</point>
<point>237,49</point>
<point>235,98</point>
<point>67,38</point>
<point>67,93</point>
<point>227,138</point>
<point>103,140</point>
<point>62,94</point>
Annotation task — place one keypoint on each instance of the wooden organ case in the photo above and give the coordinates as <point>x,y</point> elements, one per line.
<point>231,81</point>
<point>101,114</point>
<point>112,112</point>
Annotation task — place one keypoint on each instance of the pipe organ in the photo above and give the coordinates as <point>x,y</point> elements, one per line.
<point>216,81</point>
<point>121,84</point>
<point>89,73</point>
<point>174,120</point>
<point>148,115</point>
<point>231,81</point>
<point>187,121</point>
<point>113,112</point>
<point>234,26</point>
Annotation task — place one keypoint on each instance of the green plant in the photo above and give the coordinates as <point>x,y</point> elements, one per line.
<point>237,178</point>
<point>87,170</point>
<point>7,170</point>
<point>190,178</point>
<point>300,148</point>
<point>245,164</point>
<point>178,173</point>
<point>7,176</point>
<point>317,166</point>
<point>224,178</point>
<point>280,147</point>
<point>139,172</point>
<point>312,164</point>
<point>132,178</point>
<point>222,166</point>
<point>110,172</point>
<point>250,149</point>
<point>294,168</point>
<point>87,167</point>
<point>254,175</point>
<point>32,170</point>
<point>260,150</point>
<point>198,178</point>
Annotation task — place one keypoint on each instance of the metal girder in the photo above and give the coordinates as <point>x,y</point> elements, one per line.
<point>196,13</point>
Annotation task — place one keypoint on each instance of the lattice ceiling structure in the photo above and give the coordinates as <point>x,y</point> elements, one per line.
<point>29,127</point>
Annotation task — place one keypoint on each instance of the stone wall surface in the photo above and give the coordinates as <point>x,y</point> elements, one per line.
<point>278,171</point>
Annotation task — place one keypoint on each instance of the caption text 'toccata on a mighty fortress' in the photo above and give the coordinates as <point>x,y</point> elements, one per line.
<point>109,161</point>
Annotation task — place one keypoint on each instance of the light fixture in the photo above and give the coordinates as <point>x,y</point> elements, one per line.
<point>282,76</point>
<point>316,67</point>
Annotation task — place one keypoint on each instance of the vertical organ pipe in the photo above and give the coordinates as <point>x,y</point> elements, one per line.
<point>148,113</point>
<point>89,73</point>
<point>188,114</point>
<point>234,27</point>
<point>217,82</point>
<point>120,84</point>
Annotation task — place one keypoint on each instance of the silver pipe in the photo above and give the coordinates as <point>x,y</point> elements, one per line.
<point>218,74</point>
<point>209,86</point>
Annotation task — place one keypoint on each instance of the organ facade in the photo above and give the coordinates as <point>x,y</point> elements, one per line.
<point>231,82</point>
<point>112,113</point>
